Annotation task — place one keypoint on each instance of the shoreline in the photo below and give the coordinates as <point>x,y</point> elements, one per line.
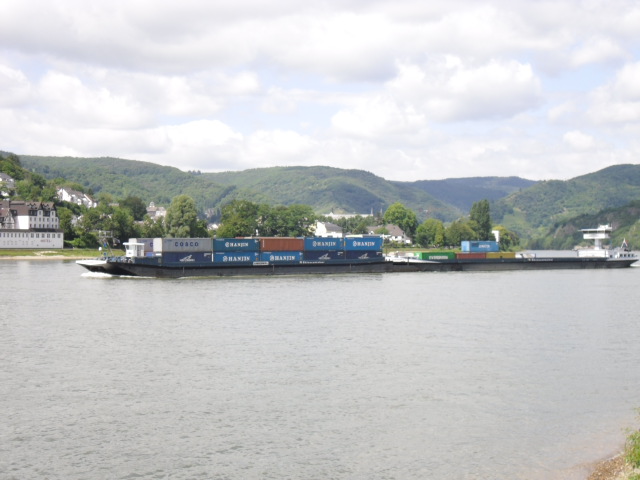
<point>614,468</point>
<point>43,257</point>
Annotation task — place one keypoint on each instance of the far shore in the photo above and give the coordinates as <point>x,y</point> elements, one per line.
<point>65,254</point>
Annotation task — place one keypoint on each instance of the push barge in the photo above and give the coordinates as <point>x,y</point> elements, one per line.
<point>206,257</point>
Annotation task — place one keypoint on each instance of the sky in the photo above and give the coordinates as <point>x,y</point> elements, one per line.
<point>405,89</point>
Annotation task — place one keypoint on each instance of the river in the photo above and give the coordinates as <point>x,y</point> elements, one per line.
<point>498,375</point>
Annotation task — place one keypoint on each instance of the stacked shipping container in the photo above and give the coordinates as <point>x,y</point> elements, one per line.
<point>274,250</point>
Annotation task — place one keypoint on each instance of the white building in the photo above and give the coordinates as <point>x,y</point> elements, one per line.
<point>7,184</point>
<point>29,225</point>
<point>156,212</point>
<point>73,196</point>
<point>327,229</point>
<point>395,233</point>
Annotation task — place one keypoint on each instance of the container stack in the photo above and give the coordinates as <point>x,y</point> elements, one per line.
<point>271,250</point>
<point>236,251</point>
<point>183,250</point>
<point>477,249</point>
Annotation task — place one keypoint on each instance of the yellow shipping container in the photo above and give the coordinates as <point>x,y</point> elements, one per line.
<point>501,254</point>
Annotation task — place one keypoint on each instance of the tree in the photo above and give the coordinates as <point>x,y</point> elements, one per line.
<point>66,223</point>
<point>153,228</point>
<point>508,239</point>
<point>480,215</point>
<point>239,219</point>
<point>291,221</point>
<point>430,232</point>
<point>458,231</point>
<point>182,219</point>
<point>398,214</point>
<point>121,225</point>
<point>136,206</point>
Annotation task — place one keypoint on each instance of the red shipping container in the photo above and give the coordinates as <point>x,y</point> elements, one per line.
<point>471,256</point>
<point>281,244</point>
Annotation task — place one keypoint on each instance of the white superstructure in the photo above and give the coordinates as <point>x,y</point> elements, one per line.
<point>603,232</point>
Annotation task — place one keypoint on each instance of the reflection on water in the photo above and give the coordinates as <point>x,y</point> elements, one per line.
<point>400,376</point>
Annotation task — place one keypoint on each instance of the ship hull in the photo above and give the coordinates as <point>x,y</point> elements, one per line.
<point>488,265</point>
<point>208,270</point>
<point>157,270</point>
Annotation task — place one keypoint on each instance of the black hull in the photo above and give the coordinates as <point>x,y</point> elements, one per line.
<point>181,271</point>
<point>507,264</point>
<point>145,269</point>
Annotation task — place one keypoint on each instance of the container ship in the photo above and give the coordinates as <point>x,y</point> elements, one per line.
<point>206,257</point>
<point>198,257</point>
<point>486,256</point>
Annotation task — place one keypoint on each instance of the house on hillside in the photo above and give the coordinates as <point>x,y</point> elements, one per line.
<point>156,212</point>
<point>29,225</point>
<point>7,184</point>
<point>66,194</point>
<point>327,229</point>
<point>394,233</point>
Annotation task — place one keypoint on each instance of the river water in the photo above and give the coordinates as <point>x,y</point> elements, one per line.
<point>514,375</point>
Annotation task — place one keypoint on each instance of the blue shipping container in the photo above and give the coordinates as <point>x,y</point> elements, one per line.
<point>186,257</point>
<point>363,243</point>
<point>363,254</point>
<point>322,243</point>
<point>235,257</point>
<point>281,257</point>
<point>323,256</point>
<point>479,246</point>
<point>236,244</point>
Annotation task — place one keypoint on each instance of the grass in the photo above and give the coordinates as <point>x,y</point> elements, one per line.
<point>632,449</point>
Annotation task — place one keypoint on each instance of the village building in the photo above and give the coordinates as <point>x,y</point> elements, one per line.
<point>29,225</point>
<point>393,233</point>
<point>7,184</point>
<point>156,212</point>
<point>327,229</point>
<point>73,196</point>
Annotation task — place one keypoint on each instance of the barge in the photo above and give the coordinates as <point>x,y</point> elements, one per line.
<point>206,257</point>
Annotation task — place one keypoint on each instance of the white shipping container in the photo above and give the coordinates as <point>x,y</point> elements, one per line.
<point>166,245</point>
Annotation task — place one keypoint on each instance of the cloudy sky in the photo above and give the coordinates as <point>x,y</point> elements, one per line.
<point>406,89</point>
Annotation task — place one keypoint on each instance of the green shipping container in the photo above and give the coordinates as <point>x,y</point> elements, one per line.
<point>436,256</point>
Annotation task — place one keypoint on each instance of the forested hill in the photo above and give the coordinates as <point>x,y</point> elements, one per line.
<point>325,189</point>
<point>464,192</point>
<point>329,189</point>
<point>555,201</point>
<point>526,207</point>
<point>121,178</point>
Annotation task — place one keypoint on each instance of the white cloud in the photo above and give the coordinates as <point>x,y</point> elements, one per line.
<point>449,90</point>
<point>597,49</point>
<point>15,87</point>
<point>407,89</point>
<point>578,140</point>
<point>619,100</point>
<point>377,117</point>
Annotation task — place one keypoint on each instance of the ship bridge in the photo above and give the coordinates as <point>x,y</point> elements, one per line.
<point>603,232</point>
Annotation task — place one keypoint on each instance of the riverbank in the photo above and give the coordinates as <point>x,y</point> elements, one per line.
<point>615,468</point>
<point>64,254</point>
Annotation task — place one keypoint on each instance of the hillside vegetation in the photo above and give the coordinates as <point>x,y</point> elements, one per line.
<point>462,193</point>
<point>329,189</point>
<point>555,201</point>
<point>325,189</point>
<point>536,211</point>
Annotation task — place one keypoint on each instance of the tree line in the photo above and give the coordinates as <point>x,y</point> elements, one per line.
<point>125,218</point>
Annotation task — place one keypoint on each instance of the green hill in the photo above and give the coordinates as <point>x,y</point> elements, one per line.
<point>462,193</point>
<point>325,189</point>
<point>329,189</point>
<point>555,201</point>
<point>529,208</point>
